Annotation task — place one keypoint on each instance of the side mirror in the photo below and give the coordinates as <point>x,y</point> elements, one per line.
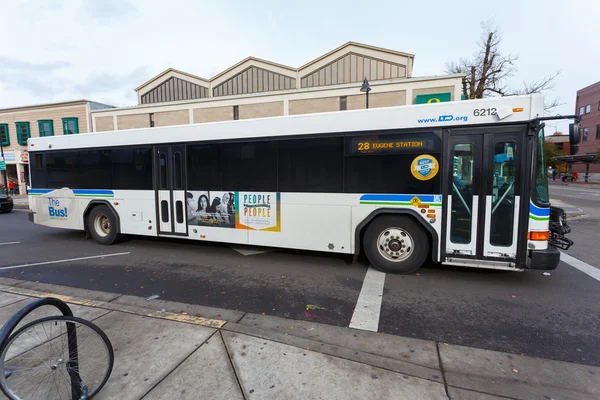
<point>574,134</point>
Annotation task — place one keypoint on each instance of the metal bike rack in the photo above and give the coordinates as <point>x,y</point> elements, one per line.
<point>12,323</point>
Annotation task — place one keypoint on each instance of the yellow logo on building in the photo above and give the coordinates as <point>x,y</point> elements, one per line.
<point>424,167</point>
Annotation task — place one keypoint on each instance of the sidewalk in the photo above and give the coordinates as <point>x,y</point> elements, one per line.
<point>569,209</point>
<point>166,350</point>
<point>20,200</point>
<point>581,185</point>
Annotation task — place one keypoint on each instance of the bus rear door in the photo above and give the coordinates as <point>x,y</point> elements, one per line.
<point>170,188</point>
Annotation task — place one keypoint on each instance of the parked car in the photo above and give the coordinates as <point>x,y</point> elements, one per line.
<point>6,203</point>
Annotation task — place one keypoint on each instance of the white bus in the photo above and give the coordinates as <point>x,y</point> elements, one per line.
<point>459,183</point>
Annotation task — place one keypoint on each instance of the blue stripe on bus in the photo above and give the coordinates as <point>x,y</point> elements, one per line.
<point>87,192</point>
<point>39,191</point>
<point>539,211</point>
<point>428,198</point>
<point>93,192</point>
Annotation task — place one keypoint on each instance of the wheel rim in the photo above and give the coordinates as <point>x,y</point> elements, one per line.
<point>102,225</point>
<point>37,361</point>
<point>395,244</point>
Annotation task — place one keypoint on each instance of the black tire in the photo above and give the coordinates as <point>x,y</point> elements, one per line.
<point>412,244</point>
<point>110,352</point>
<point>102,225</point>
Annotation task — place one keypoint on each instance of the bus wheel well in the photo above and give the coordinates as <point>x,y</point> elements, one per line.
<point>362,228</point>
<point>90,207</point>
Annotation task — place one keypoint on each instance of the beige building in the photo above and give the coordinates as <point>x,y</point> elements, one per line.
<point>17,124</point>
<point>255,88</point>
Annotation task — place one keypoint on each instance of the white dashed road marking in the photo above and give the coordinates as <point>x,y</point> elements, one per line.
<point>580,265</point>
<point>2,244</point>
<point>368,306</point>
<point>67,260</point>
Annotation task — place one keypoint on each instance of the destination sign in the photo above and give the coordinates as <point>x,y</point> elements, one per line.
<point>391,144</point>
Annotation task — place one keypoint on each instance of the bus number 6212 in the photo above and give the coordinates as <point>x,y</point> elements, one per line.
<point>483,112</point>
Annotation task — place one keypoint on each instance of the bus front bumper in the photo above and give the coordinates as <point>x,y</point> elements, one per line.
<point>543,259</point>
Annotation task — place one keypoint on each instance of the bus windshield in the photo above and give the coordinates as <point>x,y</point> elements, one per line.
<point>541,181</point>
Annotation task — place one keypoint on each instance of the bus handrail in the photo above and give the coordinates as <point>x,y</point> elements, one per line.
<point>461,198</point>
<point>503,196</point>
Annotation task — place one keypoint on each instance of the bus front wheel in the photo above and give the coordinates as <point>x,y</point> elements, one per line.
<point>102,225</point>
<point>396,244</point>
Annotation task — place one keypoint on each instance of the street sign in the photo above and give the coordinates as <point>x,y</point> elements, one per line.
<point>2,165</point>
<point>433,98</point>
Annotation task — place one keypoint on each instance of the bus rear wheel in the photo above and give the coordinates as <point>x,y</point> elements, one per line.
<point>102,225</point>
<point>396,244</point>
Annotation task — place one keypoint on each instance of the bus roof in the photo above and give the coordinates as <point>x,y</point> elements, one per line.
<point>464,113</point>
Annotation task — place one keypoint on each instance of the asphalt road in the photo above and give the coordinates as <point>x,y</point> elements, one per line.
<point>585,230</point>
<point>556,316</point>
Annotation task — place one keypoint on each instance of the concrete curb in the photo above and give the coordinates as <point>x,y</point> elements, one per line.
<point>188,319</point>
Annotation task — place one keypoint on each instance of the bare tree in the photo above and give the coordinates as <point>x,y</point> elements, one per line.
<point>488,71</point>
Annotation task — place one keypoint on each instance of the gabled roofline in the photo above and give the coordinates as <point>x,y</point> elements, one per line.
<point>274,64</point>
<point>366,46</point>
<point>166,71</point>
<point>245,60</point>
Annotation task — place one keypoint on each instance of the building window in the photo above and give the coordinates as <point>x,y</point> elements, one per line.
<point>23,133</point>
<point>585,134</point>
<point>560,146</point>
<point>46,127</point>
<point>597,131</point>
<point>343,103</point>
<point>4,136</point>
<point>236,112</point>
<point>588,108</point>
<point>581,110</point>
<point>151,120</point>
<point>70,126</point>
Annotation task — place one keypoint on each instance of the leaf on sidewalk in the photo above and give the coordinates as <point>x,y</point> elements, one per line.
<point>515,371</point>
<point>313,307</point>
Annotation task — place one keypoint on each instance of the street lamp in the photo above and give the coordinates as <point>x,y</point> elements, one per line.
<point>366,88</point>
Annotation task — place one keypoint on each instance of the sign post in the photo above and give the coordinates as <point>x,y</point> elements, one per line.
<point>3,165</point>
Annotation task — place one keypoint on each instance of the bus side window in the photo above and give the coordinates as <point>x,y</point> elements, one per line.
<point>162,165</point>
<point>250,166</point>
<point>311,165</point>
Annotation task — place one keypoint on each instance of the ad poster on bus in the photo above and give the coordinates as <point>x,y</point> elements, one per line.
<point>236,210</point>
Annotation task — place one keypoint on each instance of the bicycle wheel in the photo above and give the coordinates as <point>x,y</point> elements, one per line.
<point>39,360</point>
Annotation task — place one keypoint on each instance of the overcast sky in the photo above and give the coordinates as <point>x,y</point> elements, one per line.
<point>52,50</point>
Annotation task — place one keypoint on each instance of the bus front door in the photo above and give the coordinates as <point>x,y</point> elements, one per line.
<point>482,190</point>
<point>170,190</point>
